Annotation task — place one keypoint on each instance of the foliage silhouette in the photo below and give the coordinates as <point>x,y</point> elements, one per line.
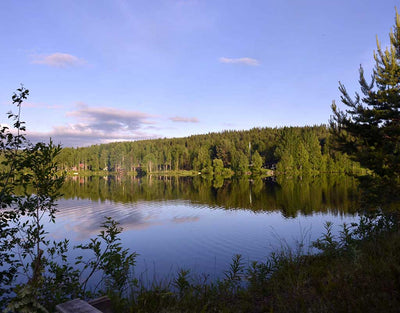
<point>369,129</point>
<point>35,273</point>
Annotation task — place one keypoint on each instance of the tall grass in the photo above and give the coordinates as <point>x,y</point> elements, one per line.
<point>356,271</point>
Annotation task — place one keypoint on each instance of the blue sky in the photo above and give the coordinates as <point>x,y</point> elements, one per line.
<point>101,71</point>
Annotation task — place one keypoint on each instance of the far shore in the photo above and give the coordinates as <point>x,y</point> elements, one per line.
<point>180,173</point>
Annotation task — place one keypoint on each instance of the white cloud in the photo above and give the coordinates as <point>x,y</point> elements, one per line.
<point>184,119</point>
<point>58,60</point>
<point>246,61</point>
<point>99,125</point>
<point>80,136</point>
<point>110,119</point>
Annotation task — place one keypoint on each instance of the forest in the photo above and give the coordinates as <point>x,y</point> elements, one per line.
<point>287,150</point>
<point>353,268</point>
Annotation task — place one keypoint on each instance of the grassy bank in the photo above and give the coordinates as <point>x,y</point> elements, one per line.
<point>90,173</point>
<point>108,173</point>
<point>180,173</point>
<point>358,272</point>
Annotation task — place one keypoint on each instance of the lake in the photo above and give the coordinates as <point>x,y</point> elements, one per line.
<point>200,224</point>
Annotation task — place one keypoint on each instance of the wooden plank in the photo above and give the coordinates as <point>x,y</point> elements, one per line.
<point>103,304</point>
<point>76,306</point>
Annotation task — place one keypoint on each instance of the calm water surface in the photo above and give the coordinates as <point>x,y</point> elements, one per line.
<point>201,223</point>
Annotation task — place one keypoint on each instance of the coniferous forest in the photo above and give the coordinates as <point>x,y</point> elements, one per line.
<point>287,150</point>
<point>353,268</point>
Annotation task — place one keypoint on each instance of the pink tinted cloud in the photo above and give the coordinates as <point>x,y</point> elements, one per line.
<point>58,59</point>
<point>180,119</point>
<point>245,61</point>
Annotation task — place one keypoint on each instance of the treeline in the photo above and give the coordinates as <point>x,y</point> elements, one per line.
<point>289,150</point>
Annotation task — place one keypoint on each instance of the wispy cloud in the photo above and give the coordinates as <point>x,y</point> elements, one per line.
<point>88,225</point>
<point>99,125</point>
<point>110,119</point>
<point>79,136</point>
<point>58,60</point>
<point>68,136</point>
<point>180,119</point>
<point>245,61</point>
<point>185,219</point>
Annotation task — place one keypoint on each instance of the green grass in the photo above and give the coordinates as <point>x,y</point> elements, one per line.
<point>174,173</point>
<point>90,173</point>
<point>182,173</point>
<point>356,271</point>
<point>359,272</point>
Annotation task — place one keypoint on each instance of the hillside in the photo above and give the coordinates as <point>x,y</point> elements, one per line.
<point>295,150</point>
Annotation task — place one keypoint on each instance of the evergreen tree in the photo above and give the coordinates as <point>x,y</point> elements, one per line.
<point>302,159</point>
<point>218,166</point>
<point>369,130</point>
<point>240,163</point>
<point>313,147</point>
<point>257,163</point>
<point>286,164</point>
<point>294,150</point>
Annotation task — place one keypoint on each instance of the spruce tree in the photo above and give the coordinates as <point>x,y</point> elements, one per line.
<point>257,163</point>
<point>369,129</point>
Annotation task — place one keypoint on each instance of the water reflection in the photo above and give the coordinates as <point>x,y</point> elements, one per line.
<point>84,217</point>
<point>291,196</point>
<point>200,224</point>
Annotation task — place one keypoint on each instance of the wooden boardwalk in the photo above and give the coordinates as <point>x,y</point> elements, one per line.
<point>100,305</point>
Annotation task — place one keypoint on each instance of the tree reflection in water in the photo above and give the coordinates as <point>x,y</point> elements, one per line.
<point>336,194</point>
